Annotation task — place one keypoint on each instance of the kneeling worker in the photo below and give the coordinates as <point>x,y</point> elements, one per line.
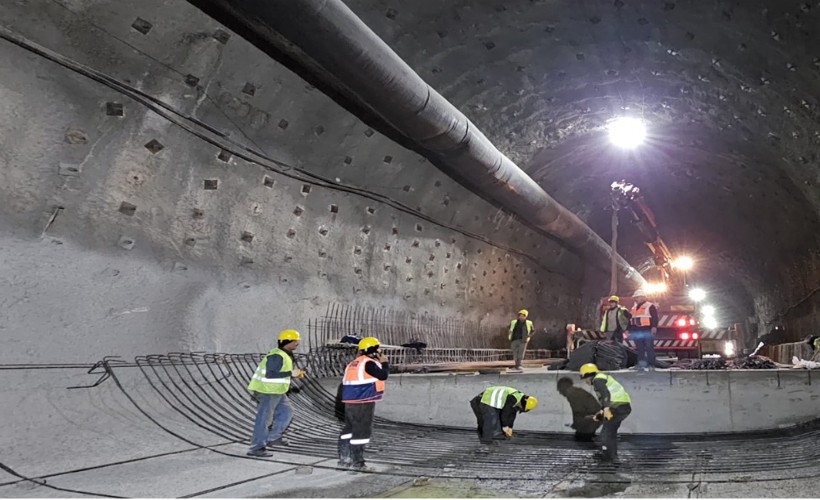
<point>496,408</point>
<point>616,407</point>
<point>362,386</point>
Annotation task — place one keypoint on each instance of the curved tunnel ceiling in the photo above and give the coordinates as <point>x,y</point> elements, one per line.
<point>730,91</point>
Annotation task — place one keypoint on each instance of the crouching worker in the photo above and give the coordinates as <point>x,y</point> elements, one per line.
<point>495,410</point>
<point>616,406</point>
<point>269,386</point>
<point>362,386</point>
<point>584,408</point>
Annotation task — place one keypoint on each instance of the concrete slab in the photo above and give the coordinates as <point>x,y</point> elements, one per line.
<point>664,401</point>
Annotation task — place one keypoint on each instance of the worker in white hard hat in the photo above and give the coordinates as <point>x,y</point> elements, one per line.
<point>519,335</point>
<point>362,387</point>
<point>615,320</point>
<point>269,387</point>
<point>643,330</point>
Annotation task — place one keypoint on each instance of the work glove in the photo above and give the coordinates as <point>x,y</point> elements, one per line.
<point>597,416</point>
<point>298,373</point>
<point>507,431</point>
<point>607,414</point>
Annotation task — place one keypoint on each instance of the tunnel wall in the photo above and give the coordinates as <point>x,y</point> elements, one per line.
<point>662,402</point>
<point>252,205</point>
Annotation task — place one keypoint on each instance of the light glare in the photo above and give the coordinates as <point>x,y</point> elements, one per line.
<point>708,310</point>
<point>697,294</point>
<point>684,263</point>
<point>710,323</point>
<point>627,132</point>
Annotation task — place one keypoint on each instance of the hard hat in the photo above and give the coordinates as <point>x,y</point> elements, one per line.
<point>289,335</point>
<point>368,342</point>
<point>588,369</point>
<point>524,312</point>
<point>530,403</point>
<point>614,298</point>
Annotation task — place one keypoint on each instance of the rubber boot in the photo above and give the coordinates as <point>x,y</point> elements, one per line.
<point>357,456</point>
<point>345,459</point>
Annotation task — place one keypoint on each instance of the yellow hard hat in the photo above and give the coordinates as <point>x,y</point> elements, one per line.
<point>614,298</point>
<point>589,369</point>
<point>524,312</point>
<point>289,335</point>
<point>531,403</point>
<point>368,342</point>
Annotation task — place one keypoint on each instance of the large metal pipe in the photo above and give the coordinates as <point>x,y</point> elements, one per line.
<point>328,40</point>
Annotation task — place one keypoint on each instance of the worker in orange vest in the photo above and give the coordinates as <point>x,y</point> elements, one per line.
<point>362,387</point>
<point>643,330</point>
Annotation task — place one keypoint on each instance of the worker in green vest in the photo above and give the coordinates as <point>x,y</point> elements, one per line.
<point>269,386</point>
<point>495,410</point>
<point>615,404</point>
<point>519,336</point>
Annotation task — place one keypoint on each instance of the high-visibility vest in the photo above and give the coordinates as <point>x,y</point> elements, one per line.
<point>817,344</point>
<point>259,383</point>
<point>496,396</point>
<point>621,319</point>
<point>512,327</point>
<point>641,315</point>
<point>617,393</point>
<point>358,386</point>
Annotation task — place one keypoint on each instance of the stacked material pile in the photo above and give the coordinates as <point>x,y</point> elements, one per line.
<point>747,363</point>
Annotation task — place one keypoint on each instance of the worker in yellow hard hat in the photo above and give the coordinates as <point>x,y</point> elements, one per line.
<point>519,335</point>
<point>495,410</point>
<point>269,387</point>
<point>616,406</point>
<point>362,387</point>
<point>615,320</point>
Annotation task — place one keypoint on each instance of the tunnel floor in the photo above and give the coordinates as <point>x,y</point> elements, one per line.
<point>201,402</point>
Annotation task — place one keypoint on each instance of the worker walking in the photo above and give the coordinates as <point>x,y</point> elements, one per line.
<point>615,404</point>
<point>362,387</point>
<point>615,321</point>
<point>269,386</point>
<point>643,330</point>
<point>519,336</point>
<point>495,410</point>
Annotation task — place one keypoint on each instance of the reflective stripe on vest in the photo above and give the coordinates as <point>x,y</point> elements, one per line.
<point>617,393</point>
<point>259,383</point>
<point>496,396</point>
<point>358,386</point>
<point>512,327</point>
<point>641,315</point>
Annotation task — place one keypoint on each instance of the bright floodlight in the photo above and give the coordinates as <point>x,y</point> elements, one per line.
<point>708,310</point>
<point>654,288</point>
<point>627,132</point>
<point>684,263</point>
<point>710,323</point>
<point>697,294</point>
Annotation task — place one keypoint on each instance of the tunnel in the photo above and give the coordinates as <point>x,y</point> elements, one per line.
<point>181,181</point>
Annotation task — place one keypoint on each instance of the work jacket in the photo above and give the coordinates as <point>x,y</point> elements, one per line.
<point>504,400</point>
<point>642,315</point>
<point>623,320</point>
<point>358,386</point>
<point>512,327</point>
<point>263,385</point>
<point>610,392</point>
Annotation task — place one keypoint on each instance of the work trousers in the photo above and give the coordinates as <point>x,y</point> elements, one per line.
<point>645,345</point>
<point>273,416</point>
<point>518,347</point>
<point>488,420</point>
<point>616,336</point>
<point>609,433</point>
<point>356,433</point>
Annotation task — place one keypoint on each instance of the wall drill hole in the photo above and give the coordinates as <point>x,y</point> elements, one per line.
<point>334,209</point>
<point>395,230</point>
<point>418,227</point>
<point>298,211</point>
<point>292,233</point>
<point>249,89</point>
<point>323,231</point>
<point>191,80</point>
<point>221,36</point>
<point>388,159</point>
<point>199,213</point>
<point>247,236</point>
<point>154,146</point>
<point>190,241</point>
<point>114,109</point>
<point>387,248</point>
<point>141,25</point>
<point>127,208</point>
<point>211,184</point>
<point>415,243</point>
<point>357,250</point>
<point>268,182</point>
<point>224,155</point>
<point>306,189</point>
<point>366,230</point>
<point>371,210</point>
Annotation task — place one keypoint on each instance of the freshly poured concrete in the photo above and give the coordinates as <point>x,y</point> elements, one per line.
<point>663,401</point>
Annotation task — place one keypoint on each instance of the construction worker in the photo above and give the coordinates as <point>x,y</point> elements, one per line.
<point>584,408</point>
<point>615,321</point>
<point>813,342</point>
<point>615,404</point>
<point>519,336</point>
<point>269,386</point>
<point>643,330</point>
<point>495,410</point>
<point>362,387</point>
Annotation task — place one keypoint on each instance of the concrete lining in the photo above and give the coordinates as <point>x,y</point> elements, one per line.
<point>664,402</point>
